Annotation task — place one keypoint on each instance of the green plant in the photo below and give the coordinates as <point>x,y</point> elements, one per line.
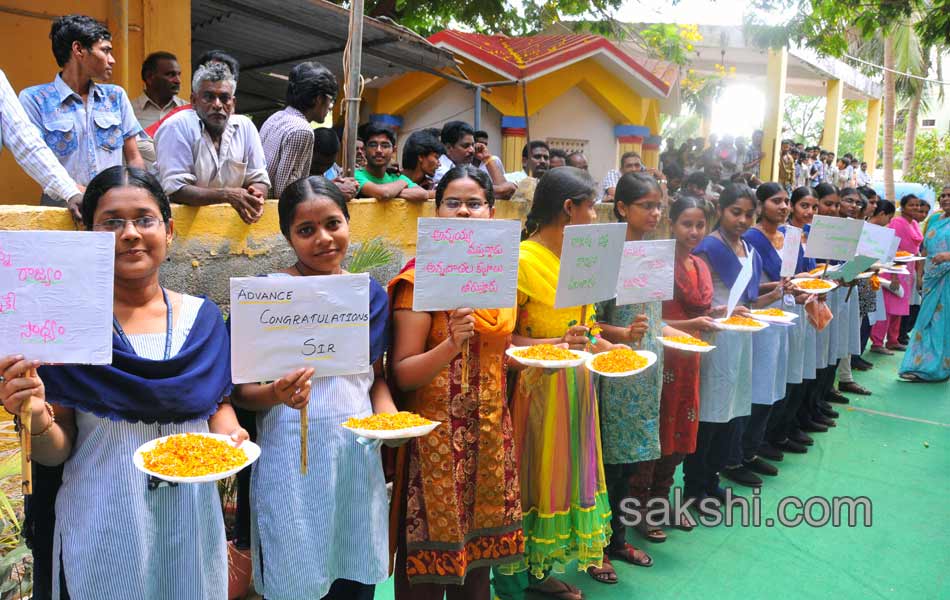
<point>931,164</point>
<point>373,254</point>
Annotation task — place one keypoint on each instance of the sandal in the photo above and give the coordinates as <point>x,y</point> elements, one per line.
<point>632,555</point>
<point>604,574</point>
<point>555,588</point>
<point>911,377</point>
<point>651,532</point>
<point>686,523</point>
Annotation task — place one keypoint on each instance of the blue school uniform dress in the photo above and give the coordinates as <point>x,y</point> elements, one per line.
<point>809,343</point>
<point>769,346</point>
<point>725,375</point>
<point>118,534</point>
<point>332,523</point>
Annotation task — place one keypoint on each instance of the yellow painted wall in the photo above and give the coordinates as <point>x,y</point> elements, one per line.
<point>24,40</point>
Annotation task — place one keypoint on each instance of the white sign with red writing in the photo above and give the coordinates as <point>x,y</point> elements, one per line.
<point>646,272</point>
<point>466,263</point>
<point>56,295</point>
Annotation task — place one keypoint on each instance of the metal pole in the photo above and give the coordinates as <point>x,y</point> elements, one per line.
<point>352,100</point>
<point>524,98</point>
<point>478,107</point>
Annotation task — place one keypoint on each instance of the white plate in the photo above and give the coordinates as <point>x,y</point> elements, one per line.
<point>395,434</point>
<point>896,270</point>
<point>798,280</point>
<point>865,275</point>
<point>721,325</point>
<point>252,450</point>
<point>651,360</point>
<point>684,347</point>
<point>549,364</point>
<point>909,259</point>
<point>787,317</point>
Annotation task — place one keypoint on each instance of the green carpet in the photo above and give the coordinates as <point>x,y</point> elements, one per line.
<point>898,456</point>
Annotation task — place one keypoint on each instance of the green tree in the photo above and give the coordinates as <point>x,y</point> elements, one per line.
<point>931,164</point>
<point>804,118</point>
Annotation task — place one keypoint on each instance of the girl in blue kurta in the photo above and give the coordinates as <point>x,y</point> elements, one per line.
<point>726,372</point>
<point>120,534</point>
<point>323,534</point>
<point>769,346</point>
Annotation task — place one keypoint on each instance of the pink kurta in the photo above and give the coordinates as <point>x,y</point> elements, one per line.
<point>911,237</point>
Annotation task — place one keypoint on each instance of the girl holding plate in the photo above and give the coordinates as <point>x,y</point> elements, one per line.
<point>323,534</point>
<point>456,507</point>
<point>119,533</point>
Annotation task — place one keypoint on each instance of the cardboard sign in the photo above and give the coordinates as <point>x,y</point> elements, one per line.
<point>851,269</point>
<point>741,283</point>
<point>833,238</point>
<point>892,249</point>
<point>279,324</point>
<point>56,295</point>
<point>466,263</point>
<point>875,241</point>
<point>590,263</point>
<point>646,272</point>
<point>789,251</point>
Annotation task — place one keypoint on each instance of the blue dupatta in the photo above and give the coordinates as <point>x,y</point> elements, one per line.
<point>771,261</point>
<point>727,265</point>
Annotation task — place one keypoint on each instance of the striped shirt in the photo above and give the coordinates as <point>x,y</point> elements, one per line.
<point>287,139</point>
<point>19,134</point>
<point>115,538</point>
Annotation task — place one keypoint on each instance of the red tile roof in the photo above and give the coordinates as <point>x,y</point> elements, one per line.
<point>522,57</point>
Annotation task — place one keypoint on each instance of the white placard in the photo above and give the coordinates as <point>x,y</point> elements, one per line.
<point>833,238</point>
<point>789,251</point>
<point>56,295</point>
<point>279,324</point>
<point>466,263</point>
<point>590,263</point>
<point>646,272</point>
<point>741,283</point>
<point>892,249</point>
<point>875,241</point>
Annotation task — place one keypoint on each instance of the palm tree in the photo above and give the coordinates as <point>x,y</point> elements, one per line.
<point>889,98</point>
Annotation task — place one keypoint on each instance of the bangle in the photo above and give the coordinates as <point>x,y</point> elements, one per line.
<point>49,425</point>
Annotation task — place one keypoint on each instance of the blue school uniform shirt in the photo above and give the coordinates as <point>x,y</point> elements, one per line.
<point>85,139</point>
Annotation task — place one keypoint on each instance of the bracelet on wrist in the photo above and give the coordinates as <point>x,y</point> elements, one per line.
<point>49,424</point>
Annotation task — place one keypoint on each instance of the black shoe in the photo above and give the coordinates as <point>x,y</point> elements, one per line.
<point>903,340</point>
<point>706,510</point>
<point>742,476</point>
<point>718,494</point>
<point>800,437</point>
<point>770,452</point>
<point>852,387</point>
<point>813,427</point>
<point>837,397</point>
<point>792,446</point>
<point>761,467</point>
<point>829,412</point>
<point>823,420</point>
<point>860,364</point>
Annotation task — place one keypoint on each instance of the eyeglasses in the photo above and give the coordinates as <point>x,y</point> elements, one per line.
<point>118,225</point>
<point>471,205</point>
<point>381,145</point>
<point>648,206</point>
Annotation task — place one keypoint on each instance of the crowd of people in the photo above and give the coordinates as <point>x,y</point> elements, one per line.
<point>531,469</point>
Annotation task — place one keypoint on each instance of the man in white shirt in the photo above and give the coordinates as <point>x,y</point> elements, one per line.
<point>162,76</point>
<point>863,178</point>
<point>209,155</point>
<point>458,138</point>
<point>19,134</point>
<point>535,159</point>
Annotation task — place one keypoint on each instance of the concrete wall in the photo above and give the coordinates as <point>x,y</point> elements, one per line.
<point>212,244</point>
<point>453,102</point>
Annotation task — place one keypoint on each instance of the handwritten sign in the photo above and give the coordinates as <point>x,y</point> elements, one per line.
<point>646,272</point>
<point>279,324</point>
<point>833,238</point>
<point>875,241</point>
<point>590,263</point>
<point>892,249</point>
<point>789,251</point>
<point>466,263</point>
<point>56,295</point>
<point>851,269</point>
<point>740,285</point>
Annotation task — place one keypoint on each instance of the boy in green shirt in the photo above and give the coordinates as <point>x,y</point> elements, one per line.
<point>374,181</point>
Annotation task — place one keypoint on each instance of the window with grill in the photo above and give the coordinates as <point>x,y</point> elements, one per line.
<point>928,123</point>
<point>568,145</point>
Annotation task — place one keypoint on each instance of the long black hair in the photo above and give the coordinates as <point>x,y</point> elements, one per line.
<point>735,192</point>
<point>686,202</point>
<point>122,176</point>
<point>631,188</point>
<point>802,192</point>
<point>314,186</point>
<point>554,187</point>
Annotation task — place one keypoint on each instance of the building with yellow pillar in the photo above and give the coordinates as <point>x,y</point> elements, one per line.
<point>578,92</point>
